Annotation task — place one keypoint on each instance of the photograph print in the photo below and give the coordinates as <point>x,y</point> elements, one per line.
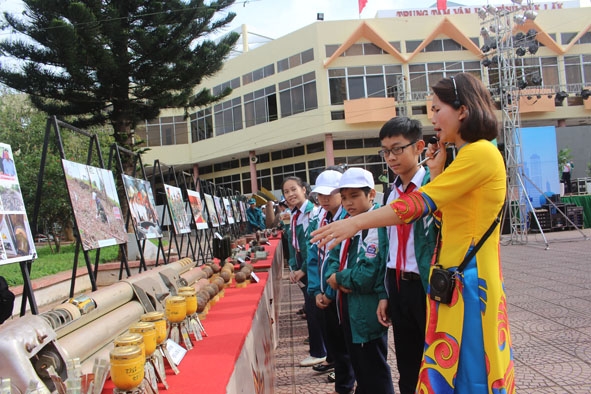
<point>176,209</point>
<point>219,210</point>
<point>199,214</point>
<point>211,210</point>
<point>96,206</point>
<point>142,208</point>
<point>229,210</point>
<point>17,240</point>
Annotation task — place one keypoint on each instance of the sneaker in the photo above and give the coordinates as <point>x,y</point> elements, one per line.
<point>322,367</point>
<point>309,361</point>
<point>331,377</point>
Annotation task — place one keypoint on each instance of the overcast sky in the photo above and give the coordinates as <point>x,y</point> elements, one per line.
<point>275,18</point>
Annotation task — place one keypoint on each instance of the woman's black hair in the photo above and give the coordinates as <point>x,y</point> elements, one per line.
<point>468,91</point>
<point>297,180</point>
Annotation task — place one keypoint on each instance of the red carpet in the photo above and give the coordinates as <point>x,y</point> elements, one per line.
<point>207,368</point>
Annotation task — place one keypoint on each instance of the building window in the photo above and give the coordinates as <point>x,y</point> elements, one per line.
<point>257,74</point>
<point>295,60</point>
<point>441,45</point>
<point>227,116</point>
<point>365,81</point>
<point>424,75</point>
<point>201,125</point>
<point>361,49</point>
<point>282,172</point>
<point>315,147</point>
<point>167,130</point>
<point>578,69</point>
<point>260,106</point>
<point>233,84</point>
<point>298,95</point>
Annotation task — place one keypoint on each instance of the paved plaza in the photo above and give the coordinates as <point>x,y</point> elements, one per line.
<point>549,297</point>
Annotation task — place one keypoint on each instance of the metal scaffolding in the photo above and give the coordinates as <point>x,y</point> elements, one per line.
<point>497,29</point>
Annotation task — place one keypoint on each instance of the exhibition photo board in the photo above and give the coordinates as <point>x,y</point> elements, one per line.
<point>142,207</point>
<point>211,209</point>
<point>17,241</point>
<point>176,208</point>
<point>96,206</point>
<point>199,214</point>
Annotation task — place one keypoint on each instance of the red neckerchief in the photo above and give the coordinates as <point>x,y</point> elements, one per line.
<point>342,265</point>
<point>294,225</point>
<point>403,232</point>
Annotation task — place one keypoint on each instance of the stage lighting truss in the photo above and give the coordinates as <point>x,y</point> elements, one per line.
<point>497,27</point>
<point>585,94</point>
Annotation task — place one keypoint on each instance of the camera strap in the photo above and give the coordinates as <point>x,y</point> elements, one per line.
<point>475,249</point>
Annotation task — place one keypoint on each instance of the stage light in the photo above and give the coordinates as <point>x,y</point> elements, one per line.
<point>482,13</point>
<point>496,28</point>
<point>519,19</point>
<point>484,33</point>
<point>522,83</point>
<point>491,9</point>
<point>538,96</point>
<point>518,2</point>
<point>530,14</point>
<point>560,96</point>
<point>520,51</point>
<point>531,34</point>
<point>585,94</point>
<point>495,59</point>
<point>533,48</point>
<point>486,62</point>
<point>549,96</point>
<point>529,97</point>
<point>536,80</point>
<point>485,48</point>
<point>493,45</point>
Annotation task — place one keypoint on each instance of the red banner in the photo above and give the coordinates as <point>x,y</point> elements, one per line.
<point>442,5</point>
<point>362,4</point>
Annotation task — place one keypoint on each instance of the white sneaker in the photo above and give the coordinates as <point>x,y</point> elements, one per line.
<point>309,361</point>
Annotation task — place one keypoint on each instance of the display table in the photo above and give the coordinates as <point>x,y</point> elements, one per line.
<point>237,355</point>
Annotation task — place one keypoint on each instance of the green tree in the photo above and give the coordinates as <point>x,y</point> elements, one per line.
<point>23,127</point>
<point>116,62</point>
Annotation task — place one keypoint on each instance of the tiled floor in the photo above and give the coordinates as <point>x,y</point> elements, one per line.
<point>549,295</point>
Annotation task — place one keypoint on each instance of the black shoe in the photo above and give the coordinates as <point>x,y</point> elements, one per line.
<point>332,377</point>
<point>323,367</point>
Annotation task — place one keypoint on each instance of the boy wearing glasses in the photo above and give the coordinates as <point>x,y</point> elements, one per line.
<point>411,249</point>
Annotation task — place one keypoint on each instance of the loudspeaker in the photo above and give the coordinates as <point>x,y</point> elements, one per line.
<point>222,248</point>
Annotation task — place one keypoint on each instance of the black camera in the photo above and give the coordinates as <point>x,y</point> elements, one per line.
<point>441,285</point>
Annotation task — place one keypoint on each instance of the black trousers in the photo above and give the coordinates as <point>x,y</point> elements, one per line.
<point>567,184</point>
<point>407,307</point>
<point>369,359</point>
<point>336,347</point>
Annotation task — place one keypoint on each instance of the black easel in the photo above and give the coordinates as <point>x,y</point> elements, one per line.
<point>207,240</point>
<point>115,154</point>
<point>167,210</point>
<point>199,233</point>
<point>54,123</point>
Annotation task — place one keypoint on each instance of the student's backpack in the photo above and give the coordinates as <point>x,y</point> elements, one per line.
<point>6,300</point>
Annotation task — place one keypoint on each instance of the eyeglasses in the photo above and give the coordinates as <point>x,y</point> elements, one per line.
<point>397,150</point>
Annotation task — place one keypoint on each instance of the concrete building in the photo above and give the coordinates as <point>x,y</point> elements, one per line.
<point>318,96</point>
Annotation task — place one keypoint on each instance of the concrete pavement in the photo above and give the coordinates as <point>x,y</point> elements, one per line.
<point>549,297</point>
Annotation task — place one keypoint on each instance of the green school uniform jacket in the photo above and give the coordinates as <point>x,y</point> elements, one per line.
<point>364,275</point>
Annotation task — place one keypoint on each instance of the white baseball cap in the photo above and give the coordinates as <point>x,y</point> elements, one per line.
<point>356,178</point>
<point>327,182</point>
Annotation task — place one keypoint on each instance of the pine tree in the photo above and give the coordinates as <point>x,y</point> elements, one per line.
<point>95,62</point>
